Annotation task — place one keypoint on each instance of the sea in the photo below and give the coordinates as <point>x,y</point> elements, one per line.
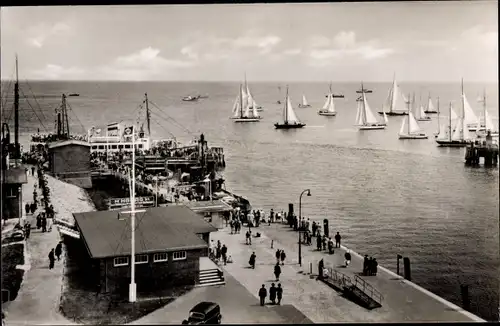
<point>384,195</point>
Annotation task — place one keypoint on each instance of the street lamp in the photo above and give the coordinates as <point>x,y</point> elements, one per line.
<point>300,215</point>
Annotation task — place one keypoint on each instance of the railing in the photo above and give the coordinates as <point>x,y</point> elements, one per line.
<point>368,289</point>
<point>338,277</point>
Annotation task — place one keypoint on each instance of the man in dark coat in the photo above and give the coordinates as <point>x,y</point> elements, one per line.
<point>347,257</point>
<point>278,255</point>
<point>263,295</point>
<point>27,230</point>
<point>224,254</point>
<point>365,265</point>
<point>279,293</point>
<point>272,294</point>
<point>282,256</point>
<point>277,271</point>
<point>51,258</point>
<point>252,260</point>
<point>319,242</point>
<point>59,250</point>
<point>44,224</point>
<point>27,207</point>
<point>374,266</point>
<point>321,266</point>
<point>337,240</point>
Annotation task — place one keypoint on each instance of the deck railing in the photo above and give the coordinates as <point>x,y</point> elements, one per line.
<point>368,289</point>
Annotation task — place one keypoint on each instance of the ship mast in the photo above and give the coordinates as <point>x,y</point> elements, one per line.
<point>241,102</point>
<point>148,117</point>
<point>17,148</point>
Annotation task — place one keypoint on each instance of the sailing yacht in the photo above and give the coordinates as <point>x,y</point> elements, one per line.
<point>485,122</point>
<point>409,126</point>
<point>470,118</point>
<point>304,103</point>
<point>243,110</point>
<point>395,101</point>
<point>365,120</point>
<point>421,116</point>
<point>290,119</point>
<point>329,106</point>
<point>430,107</point>
<point>251,99</point>
<point>460,136</point>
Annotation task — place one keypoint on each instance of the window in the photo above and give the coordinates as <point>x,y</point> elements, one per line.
<point>140,145</point>
<point>11,192</point>
<point>127,146</point>
<point>179,255</point>
<point>160,257</point>
<point>101,146</point>
<point>94,146</point>
<point>113,146</point>
<point>141,259</point>
<point>120,261</point>
<point>120,146</point>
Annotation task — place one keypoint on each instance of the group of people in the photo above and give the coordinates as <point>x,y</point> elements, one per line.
<point>55,253</point>
<point>275,293</point>
<point>369,266</point>
<point>218,253</point>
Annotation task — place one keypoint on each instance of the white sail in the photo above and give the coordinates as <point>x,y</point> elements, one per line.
<point>304,101</point>
<point>359,115</point>
<point>398,99</point>
<point>458,132</point>
<point>414,127</point>
<point>489,122</point>
<point>331,104</point>
<point>246,114</point>
<point>254,104</point>
<point>430,106</point>
<point>422,113</point>
<point>385,118</point>
<point>388,102</point>
<point>236,106</point>
<point>327,102</point>
<point>255,113</point>
<point>443,133</point>
<point>368,114</point>
<point>453,114</point>
<point>402,130</point>
<point>479,122</point>
<point>292,117</point>
<point>468,114</point>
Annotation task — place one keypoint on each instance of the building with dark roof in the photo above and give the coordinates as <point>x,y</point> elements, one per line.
<point>12,200</point>
<point>169,242</point>
<point>69,160</point>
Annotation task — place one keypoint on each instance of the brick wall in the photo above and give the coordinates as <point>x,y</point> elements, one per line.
<point>151,276</point>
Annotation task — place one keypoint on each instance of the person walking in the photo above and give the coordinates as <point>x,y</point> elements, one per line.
<point>51,258</point>
<point>272,293</point>
<point>347,257</point>
<point>279,293</point>
<point>252,260</point>
<point>263,295</point>
<point>318,242</point>
<point>59,250</point>
<point>224,254</point>
<point>277,271</point>
<point>282,256</point>
<point>278,255</point>
<point>248,236</point>
<point>337,240</point>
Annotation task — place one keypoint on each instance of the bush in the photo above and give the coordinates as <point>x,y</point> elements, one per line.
<point>12,277</point>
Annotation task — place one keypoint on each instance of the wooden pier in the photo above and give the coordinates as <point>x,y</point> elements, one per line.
<point>482,149</point>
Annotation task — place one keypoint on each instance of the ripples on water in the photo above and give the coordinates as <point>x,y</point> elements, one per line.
<point>385,196</point>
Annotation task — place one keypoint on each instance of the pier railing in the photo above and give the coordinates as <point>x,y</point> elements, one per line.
<point>340,279</point>
<point>368,289</point>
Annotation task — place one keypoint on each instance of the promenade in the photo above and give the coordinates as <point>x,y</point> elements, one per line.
<point>403,301</point>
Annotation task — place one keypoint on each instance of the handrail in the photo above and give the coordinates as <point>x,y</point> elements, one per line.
<point>368,289</point>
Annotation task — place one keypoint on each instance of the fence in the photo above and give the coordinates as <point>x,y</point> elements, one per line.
<point>368,289</point>
<point>338,278</point>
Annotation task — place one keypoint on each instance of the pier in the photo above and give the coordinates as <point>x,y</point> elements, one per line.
<point>482,149</point>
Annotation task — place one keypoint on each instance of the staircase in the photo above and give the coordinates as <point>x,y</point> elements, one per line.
<point>363,294</point>
<point>211,277</point>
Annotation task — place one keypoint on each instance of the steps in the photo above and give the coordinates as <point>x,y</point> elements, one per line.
<point>357,295</point>
<point>211,277</point>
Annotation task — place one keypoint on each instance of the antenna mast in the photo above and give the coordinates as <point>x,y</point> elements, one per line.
<point>148,117</point>
<point>17,147</point>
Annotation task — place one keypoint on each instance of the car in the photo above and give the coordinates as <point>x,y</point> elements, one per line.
<point>17,235</point>
<point>204,313</point>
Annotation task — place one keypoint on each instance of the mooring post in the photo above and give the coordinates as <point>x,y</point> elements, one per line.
<point>397,263</point>
<point>310,268</point>
<point>464,290</point>
<point>407,267</point>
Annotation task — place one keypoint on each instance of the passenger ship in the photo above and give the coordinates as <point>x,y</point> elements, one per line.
<point>115,140</point>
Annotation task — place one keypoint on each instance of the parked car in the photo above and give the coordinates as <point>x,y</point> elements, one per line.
<point>17,235</point>
<point>204,313</point>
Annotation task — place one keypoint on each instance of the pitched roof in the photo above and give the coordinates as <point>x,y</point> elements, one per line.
<point>208,206</point>
<point>14,176</point>
<point>158,229</point>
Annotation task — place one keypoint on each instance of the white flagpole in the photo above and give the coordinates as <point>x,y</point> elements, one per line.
<point>132,288</point>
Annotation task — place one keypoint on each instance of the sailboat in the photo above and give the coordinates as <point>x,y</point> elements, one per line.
<point>409,126</point>
<point>242,109</point>
<point>395,101</point>
<point>251,99</point>
<point>470,118</point>
<point>365,120</point>
<point>290,119</point>
<point>421,116</point>
<point>304,103</point>
<point>460,136</point>
<point>483,127</point>
<point>439,120</point>
<point>329,106</point>
<point>430,107</point>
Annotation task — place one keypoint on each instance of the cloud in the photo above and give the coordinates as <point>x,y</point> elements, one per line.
<point>37,35</point>
<point>52,71</point>
<point>292,52</point>
<point>478,35</point>
<point>344,45</point>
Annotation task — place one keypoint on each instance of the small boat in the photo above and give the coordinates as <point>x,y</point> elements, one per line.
<point>485,122</point>
<point>251,99</point>
<point>460,136</point>
<point>190,98</point>
<point>395,101</point>
<point>74,94</point>
<point>290,119</point>
<point>410,128</point>
<point>329,106</point>
<point>365,120</point>
<point>421,116</point>
<point>243,111</point>
<point>430,107</point>
<point>304,103</point>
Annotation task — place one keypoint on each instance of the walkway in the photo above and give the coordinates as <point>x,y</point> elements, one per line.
<point>403,301</point>
<point>38,299</point>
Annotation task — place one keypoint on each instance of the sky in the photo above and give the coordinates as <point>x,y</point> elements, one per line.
<point>417,41</point>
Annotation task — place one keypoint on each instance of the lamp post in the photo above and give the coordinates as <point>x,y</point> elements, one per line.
<point>300,215</point>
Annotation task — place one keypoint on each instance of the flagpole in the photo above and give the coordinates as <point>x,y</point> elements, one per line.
<point>132,288</point>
